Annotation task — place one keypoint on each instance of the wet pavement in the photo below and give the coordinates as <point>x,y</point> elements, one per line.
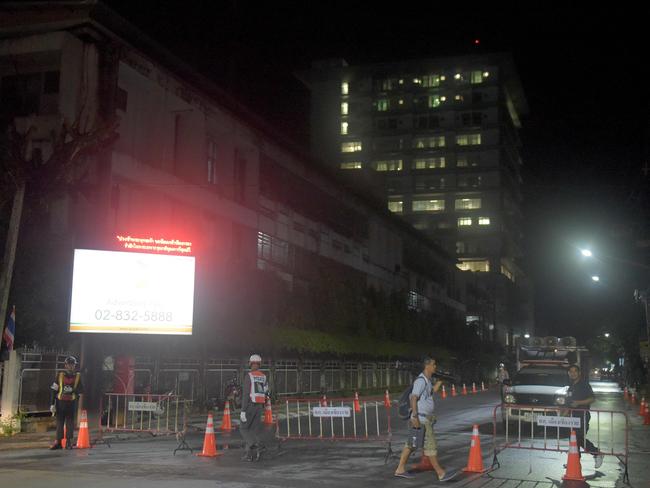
<point>149,462</point>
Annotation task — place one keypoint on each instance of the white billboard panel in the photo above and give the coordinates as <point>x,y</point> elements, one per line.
<point>132,293</point>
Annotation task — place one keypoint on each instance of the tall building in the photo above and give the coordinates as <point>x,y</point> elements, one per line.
<point>437,139</point>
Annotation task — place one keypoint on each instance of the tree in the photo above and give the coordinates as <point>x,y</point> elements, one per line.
<point>21,166</point>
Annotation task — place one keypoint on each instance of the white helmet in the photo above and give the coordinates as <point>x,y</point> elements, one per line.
<point>255,358</point>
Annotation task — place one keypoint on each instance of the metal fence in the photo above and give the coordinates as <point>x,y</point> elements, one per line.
<point>154,414</point>
<point>304,418</point>
<point>548,429</point>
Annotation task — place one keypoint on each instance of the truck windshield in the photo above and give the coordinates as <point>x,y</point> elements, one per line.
<point>547,379</point>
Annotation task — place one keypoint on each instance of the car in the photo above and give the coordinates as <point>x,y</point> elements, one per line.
<point>535,388</point>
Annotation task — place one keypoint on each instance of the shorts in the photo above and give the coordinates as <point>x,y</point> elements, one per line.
<point>429,446</point>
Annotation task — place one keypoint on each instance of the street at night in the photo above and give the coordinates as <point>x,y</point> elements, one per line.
<point>323,244</point>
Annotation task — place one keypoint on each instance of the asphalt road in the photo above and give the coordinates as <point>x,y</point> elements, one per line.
<point>149,462</point>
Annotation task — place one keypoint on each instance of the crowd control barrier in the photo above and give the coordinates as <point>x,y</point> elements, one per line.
<point>336,419</point>
<point>548,429</point>
<point>153,414</point>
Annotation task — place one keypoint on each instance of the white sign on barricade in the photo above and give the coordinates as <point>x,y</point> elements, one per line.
<point>553,421</point>
<point>331,411</point>
<point>143,406</point>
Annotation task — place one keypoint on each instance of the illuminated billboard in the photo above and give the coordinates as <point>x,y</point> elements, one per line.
<point>132,293</point>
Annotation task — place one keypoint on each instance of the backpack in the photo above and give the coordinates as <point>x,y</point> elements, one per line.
<point>404,402</point>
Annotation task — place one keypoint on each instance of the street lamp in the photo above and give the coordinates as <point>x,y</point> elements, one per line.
<point>527,336</point>
<point>606,334</point>
<point>595,278</point>
<point>586,253</point>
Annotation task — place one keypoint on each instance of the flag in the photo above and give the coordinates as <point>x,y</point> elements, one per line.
<point>10,330</point>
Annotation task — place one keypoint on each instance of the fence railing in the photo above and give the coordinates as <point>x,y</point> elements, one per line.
<point>154,414</point>
<point>548,429</point>
<point>335,419</point>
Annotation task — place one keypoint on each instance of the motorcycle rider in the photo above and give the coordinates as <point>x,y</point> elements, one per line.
<point>256,390</point>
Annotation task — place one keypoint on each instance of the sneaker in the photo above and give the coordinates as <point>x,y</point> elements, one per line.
<point>598,460</point>
<point>449,474</point>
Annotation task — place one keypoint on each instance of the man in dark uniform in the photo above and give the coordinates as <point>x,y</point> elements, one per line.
<point>65,392</point>
<point>254,396</point>
<point>582,396</point>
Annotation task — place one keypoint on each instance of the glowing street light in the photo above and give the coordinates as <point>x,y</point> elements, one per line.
<point>527,336</point>
<point>595,278</point>
<point>586,253</point>
<point>606,334</point>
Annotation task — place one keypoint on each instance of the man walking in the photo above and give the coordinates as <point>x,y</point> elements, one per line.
<point>581,396</point>
<point>65,391</point>
<point>254,396</point>
<point>422,417</point>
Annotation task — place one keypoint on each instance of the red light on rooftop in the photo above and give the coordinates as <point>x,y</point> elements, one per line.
<point>477,42</point>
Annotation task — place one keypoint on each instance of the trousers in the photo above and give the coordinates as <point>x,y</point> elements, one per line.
<point>251,430</point>
<point>65,412</point>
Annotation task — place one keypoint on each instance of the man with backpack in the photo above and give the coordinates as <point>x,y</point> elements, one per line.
<point>421,421</point>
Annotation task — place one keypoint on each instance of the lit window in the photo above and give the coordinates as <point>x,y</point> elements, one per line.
<point>344,128</point>
<point>476,77</point>
<point>467,203</point>
<point>429,163</point>
<point>400,102</point>
<point>484,221</point>
<point>348,147</point>
<point>345,88</point>
<point>387,84</point>
<point>401,82</point>
<point>460,247</point>
<point>428,205</point>
<point>352,165</point>
<point>477,265</point>
<point>395,206</point>
<point>382,105</point>
<point>433,101</point>
<point>344,108</point>
<point>464,160</point>
<point>458,98</point>
<point>429,142</point>
<point>458,76</point>
<point>464,221</point>
<point>468,139</point>
<point>417,81</point>
<point>431,81</point>
<point>389,165</point>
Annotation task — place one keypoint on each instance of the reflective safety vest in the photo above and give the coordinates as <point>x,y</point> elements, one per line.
<point>258,386</point>
<point>68,386</point>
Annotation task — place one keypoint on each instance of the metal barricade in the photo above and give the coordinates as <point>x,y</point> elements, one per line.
<point>548,429</point>
<point>308,418</point>
<point>154,414</point>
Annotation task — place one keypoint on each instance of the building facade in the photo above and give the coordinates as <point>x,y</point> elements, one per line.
<point>278,240</point>
<point>438,140</point>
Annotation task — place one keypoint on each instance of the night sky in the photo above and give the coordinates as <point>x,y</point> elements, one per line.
<point>584,70</point>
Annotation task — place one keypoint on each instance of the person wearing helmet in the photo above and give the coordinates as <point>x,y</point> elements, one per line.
<point>254,396</point>
<point>65,392</point>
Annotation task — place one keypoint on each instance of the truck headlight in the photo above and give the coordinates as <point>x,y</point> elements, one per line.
<point>509,398</point>
<point>560,400</point>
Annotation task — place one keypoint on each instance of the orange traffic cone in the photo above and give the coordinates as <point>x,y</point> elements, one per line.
<point>473,387</point>
<point>642,407</point>
<point>386,399</point>
<point>226,423</point>
<point>646,419</point>
<point>453,390</point>
<point>357,407</point>
<point>268,413</point>
<point>475,459</point>
<point>443,395</point>
<point>83,438</point>
<point>482,386</point>
<point>323,401</point>
<point>209,441</point>
<point>64,441</point>
<point>573,468</point>
<point>423,465</point>
<point>464,389</point>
